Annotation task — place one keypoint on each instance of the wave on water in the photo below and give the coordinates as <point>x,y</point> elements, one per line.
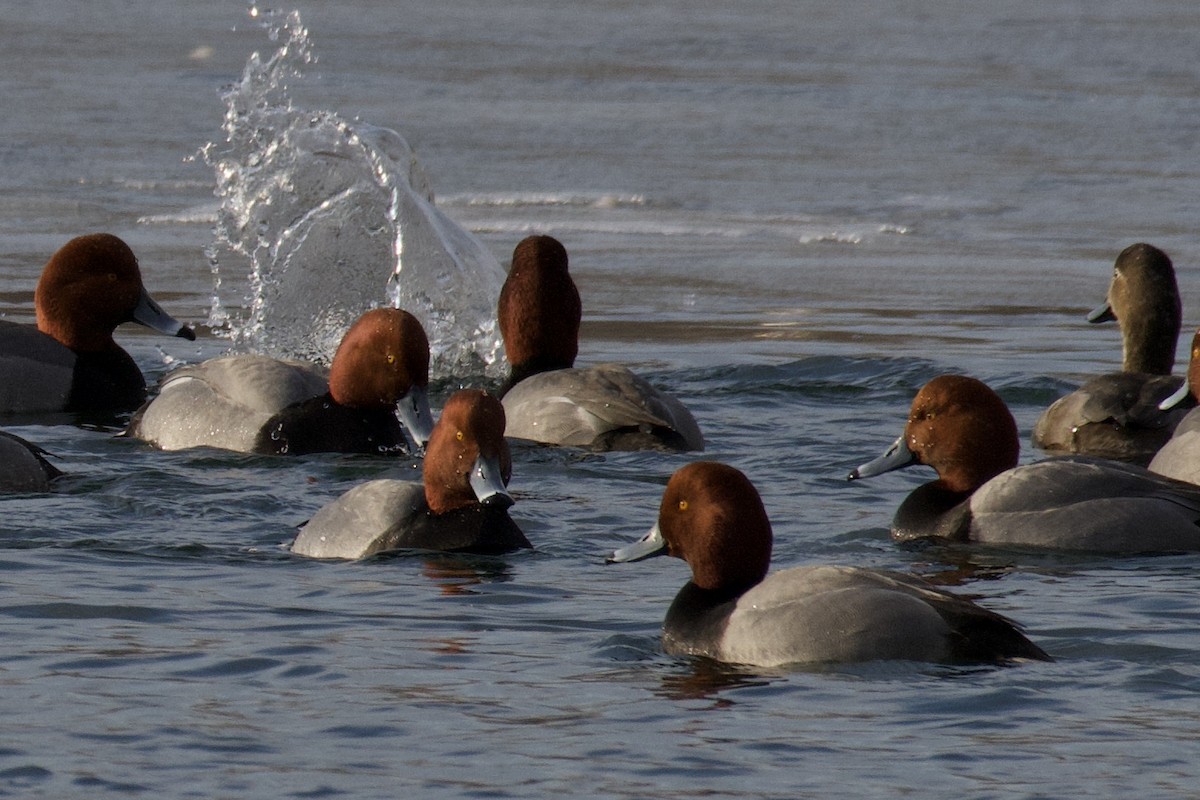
<point>205,214</point>
<point>639,215</point>
<point>563,199</point>
<point>332,217</point>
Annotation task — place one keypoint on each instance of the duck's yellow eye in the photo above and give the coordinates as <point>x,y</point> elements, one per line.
<point>459,436</point>
<point>683,505</point>
<point>391,358</point>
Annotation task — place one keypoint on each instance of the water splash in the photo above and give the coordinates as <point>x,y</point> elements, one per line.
<point>334,217</point>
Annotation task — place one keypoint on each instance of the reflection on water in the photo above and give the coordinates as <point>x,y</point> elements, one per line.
<point>459,575</point>
<point>706,679</point>
<point>449,646</point>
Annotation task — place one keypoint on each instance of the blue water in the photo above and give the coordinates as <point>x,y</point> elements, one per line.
<point>789,214</point>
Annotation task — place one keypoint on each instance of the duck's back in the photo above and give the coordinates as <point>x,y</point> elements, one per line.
<point>606,407</point>
<point>1085,504</point>
<point>1111,416</point>
<point>36,372</point>
<point>1179,458</point>
<point>386,514</point>
<point>225,402</point>
<point>258,383</point>
<point>846,614</point>
<point>355,525</point>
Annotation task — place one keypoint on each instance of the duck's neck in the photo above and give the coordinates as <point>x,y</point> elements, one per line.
<point>109,381</point>
<point>533,366</point>
<point>322,425</point>
<point>697,616</point>
<point>933,512</point>
<point>477,528</point>
<point>1149,345</point>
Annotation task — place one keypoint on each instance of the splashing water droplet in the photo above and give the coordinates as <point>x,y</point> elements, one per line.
<point>332,218</point>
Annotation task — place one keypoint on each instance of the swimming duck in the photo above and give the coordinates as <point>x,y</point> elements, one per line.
<point>1179,458</point>
<point>1117,415</point>
<point>255,404</point>
<point>731,610</point>
<point>23,467</point>
<point>962,429</point>
<point>461,505</point>
<point>547,398</point>
<point>69,361</point>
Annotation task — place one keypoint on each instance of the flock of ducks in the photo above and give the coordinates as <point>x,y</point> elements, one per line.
<point>1095,496</point>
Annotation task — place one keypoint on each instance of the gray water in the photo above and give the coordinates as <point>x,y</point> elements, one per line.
<point>789,214</point>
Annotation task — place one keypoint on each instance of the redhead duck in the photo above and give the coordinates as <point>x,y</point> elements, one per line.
<point>1179,458</point>
<point>69,361</point>
<point>1117,415</point>
<point>962,429</point>
<point>255,404</point>
<point>731,610</point>
<point>23,467</point>
<point>461,505</point>
<point>551,401</point>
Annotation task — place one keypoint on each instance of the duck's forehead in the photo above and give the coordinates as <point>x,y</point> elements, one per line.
<point>930,398</point>
<point>96,252</point>
<point>477,412</point>
<point>487,416</point>
<point>947,399</point>
<point>375,324</point>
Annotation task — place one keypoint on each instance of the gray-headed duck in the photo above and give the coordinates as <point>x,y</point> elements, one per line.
<point>733,611</point>
<point>460,506</point>
<point>1117,415</point>
<point>964,431</point>
<point>255,404</point>
<point>69,361</point>
<point>547,398</point>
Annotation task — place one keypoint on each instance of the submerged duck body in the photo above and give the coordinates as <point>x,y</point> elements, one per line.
<point>70,361</point>
<point>1118,415</point>
<point>551,401</point>
<point>255,404</point>
<point>460,506</point>
<point>733,611</point>
<point>23,466</point>
<point>962,429</point>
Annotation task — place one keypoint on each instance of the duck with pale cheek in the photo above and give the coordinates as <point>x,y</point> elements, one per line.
<point>1118,415</point>
<point>70,361</point>
<point>547,398</point>
<point>733,611</point>
<point>460,506</point>
<point>254,404</point>
<point>964,431</point>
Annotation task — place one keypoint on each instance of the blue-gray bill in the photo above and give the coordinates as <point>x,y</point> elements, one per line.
<point>150,314</point>
<point>897,456</point>
<point>487,481</point>
<point>415,416</point>
<point>650,545</point>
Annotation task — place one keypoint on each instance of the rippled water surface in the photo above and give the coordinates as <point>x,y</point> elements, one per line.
<point>789,214</point>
